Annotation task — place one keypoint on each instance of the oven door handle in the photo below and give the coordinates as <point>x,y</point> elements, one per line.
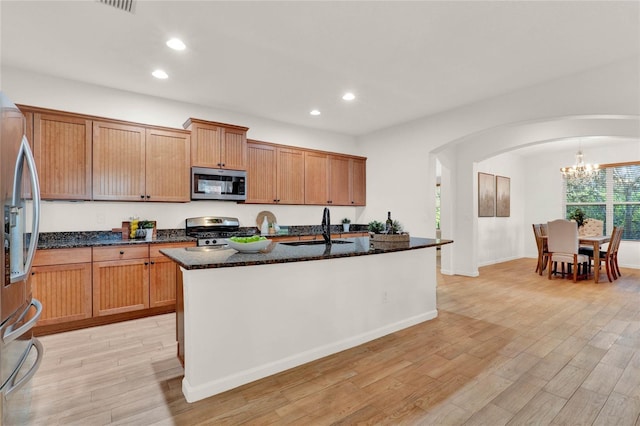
<point>11,381</point>
<point>9,334</point>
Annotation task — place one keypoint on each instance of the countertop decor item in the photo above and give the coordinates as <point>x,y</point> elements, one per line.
<point>271,218</point>
<point>249,247</point>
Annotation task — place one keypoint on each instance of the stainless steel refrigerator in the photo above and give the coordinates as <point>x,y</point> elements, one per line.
<point>20,352</point>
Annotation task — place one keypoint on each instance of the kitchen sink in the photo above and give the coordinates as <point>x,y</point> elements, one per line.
<point>314,243</point>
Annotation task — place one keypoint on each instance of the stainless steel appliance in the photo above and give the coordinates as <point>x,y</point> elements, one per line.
<point>20,352</point>
<point>210,231</point>
<point>218,184</point>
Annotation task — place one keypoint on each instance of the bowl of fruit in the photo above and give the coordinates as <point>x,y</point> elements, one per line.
<point>248,244</point>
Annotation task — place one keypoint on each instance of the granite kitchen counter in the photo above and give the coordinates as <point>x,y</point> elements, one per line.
<point>58,240</point>
<point>205,258</point>
<point>242,317</point>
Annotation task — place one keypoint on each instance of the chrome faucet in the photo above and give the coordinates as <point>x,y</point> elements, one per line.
<point>326,226</point>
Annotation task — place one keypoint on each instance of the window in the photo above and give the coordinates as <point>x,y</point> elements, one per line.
<point>612,195</point>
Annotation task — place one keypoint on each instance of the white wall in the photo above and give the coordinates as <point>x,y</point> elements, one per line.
<point>600,102</point>
<point>500,238</point>
<point>49,92</point>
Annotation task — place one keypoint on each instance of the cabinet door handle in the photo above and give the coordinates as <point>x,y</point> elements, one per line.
<point>146,263</point>
<point>142,196</point>
<point>153,263</point>
<point>148,196</point>
<point>121,251</point>
<point>222,164</point>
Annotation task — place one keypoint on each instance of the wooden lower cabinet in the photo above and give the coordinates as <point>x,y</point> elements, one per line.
<point>82,287</point>
<point>61,280</point>
<point>120,286</point>
<point>163,274</point>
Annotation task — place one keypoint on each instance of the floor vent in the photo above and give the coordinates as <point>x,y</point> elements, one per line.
<point>126,5</point>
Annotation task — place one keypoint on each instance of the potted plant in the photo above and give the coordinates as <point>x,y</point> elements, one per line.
<point>346,222</point>
<point>579,216</point>
<point>376,227</point>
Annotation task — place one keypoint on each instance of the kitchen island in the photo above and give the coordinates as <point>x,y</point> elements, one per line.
<point>242,317</point>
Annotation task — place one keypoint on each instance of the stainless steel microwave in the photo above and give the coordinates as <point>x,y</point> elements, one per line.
<point>218,184</point>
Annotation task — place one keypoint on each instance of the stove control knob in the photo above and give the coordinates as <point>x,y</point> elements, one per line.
<point>214,241</point>
<point>206,242</point>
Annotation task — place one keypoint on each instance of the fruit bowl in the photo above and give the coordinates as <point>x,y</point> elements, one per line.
<point>247,246</point>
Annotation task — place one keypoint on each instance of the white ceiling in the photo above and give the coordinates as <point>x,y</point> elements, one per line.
<point>279,60</point>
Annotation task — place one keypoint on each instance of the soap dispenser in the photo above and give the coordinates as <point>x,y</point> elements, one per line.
<point>264,229</point>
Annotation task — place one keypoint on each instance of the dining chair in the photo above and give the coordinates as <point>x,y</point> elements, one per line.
<point>542,247</point>
<point>591,228</point>
<point>610,255</point>
<point>562,243</point>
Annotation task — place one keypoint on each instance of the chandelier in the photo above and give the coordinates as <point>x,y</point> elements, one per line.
<point>580,170</point>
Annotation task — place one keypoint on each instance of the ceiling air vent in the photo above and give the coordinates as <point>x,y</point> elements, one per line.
<point>126,5</point>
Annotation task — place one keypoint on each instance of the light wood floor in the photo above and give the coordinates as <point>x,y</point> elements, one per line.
<point>509,347</point>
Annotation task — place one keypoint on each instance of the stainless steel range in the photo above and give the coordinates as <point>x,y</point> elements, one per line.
<point>210,231</point>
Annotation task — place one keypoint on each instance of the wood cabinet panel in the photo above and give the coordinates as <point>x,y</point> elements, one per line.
<point>163,275</point>
<point>167,166</point>
<point>63,151</point>
<point>120,286</point>
<point>118,162</point>
<point>162,282</point>
<point>339,180</point>
<point>205,145</point>
<point>121,252</point>
<point>64,290</point>
<point>217,145</point>
<point>62,256</point>
<point>234,149</point>
<point>290,176</point>
<point>316,183</point>
<point>358,182</point>
<point>261,173</point>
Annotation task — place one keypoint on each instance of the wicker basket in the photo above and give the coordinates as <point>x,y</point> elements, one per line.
<point>388,241</point>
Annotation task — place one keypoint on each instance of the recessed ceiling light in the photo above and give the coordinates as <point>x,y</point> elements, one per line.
<point>160,74</point>
<point>176,44</point>
<point>348,96</point>
<point>314,112</point>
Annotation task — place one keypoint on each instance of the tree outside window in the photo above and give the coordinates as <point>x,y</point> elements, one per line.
<point>611,195</point>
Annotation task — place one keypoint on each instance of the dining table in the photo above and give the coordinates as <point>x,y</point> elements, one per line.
<point>596,242</point>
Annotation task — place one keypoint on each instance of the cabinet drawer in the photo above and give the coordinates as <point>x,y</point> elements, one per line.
<point>120,252</point>
<point>154,249</point>
<point>62,256</point>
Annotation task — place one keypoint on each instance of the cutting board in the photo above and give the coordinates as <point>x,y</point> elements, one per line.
<point>271,218</point>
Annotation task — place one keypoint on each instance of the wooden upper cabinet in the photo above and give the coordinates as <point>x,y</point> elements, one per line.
<point>358,182</point>
<point>290,176</point>
<point>167,165</point>
<point>316,182</point>
<point>275,175</point>
<point>261,173</point>
<point>118,162</point>
<point>339,180</point>
<point>217,145</point>
<point>62,150</point>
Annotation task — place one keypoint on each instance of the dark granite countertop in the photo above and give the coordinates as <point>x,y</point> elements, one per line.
<point>57,240</point>
<point>78,239</point>
<point>203,258</point>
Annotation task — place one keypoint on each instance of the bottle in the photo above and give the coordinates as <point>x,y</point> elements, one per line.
<point>264,230</point>
<point>389,224</point>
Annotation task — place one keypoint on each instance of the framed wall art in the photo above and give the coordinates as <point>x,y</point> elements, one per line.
<point>486,195</point>
<point>503,196</point>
